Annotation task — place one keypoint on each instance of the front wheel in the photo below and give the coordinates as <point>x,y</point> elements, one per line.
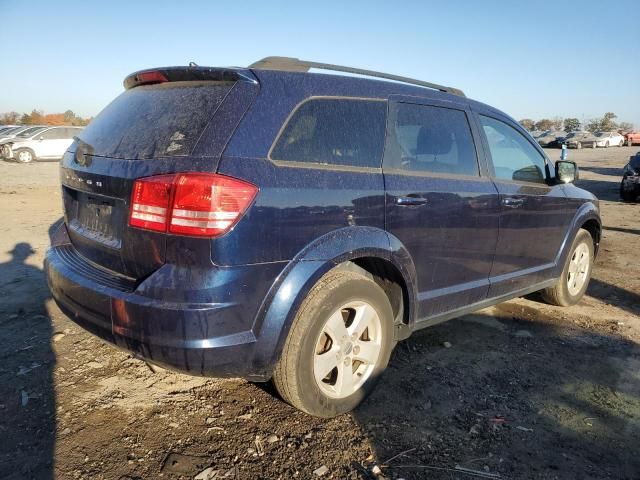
<point>621,143</point>
<point>627,195</point>
<point>338,346</point>
<point>575,275</point>
<point>24,155</point>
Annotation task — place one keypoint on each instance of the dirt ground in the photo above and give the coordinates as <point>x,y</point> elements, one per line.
<point>525,390</point>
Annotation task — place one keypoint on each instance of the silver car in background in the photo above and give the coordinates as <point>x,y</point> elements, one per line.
<point>49,143</point>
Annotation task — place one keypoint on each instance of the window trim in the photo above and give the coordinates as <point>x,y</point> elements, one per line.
<point>426,102</point>
<point>325,166</point>
<point>489,156</point>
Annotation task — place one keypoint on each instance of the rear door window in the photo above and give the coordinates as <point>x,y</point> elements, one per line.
<point>162,120</point>
<point>334,131</point>
<point>431,139</point>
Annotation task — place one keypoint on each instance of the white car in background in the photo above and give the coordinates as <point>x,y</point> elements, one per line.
<point>47,144</point>
<point>609,139</point>
<point>28,132</point>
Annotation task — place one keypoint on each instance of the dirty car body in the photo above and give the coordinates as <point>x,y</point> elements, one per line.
<point>222,304</point>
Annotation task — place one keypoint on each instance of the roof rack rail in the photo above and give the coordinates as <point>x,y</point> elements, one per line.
<point>290,64</point>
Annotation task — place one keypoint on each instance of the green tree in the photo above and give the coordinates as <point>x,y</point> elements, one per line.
<point>557,123</point>
<point>544,124</point>
<point>69,117</point>
<point>25,119</point>
<point>527,124</point>
<point>604,124</point>
<point>571,124</point>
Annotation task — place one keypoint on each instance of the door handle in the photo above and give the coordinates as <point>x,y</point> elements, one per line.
<point>410,200</point>
<point>511,202</point>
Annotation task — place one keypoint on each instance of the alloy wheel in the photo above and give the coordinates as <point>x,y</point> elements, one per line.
<point>347,349</point>
<point>578,269</point>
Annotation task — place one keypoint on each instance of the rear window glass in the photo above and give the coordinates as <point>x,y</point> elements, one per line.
<point>162,120</point>
<point>431,139</point>
<point>333,131</point>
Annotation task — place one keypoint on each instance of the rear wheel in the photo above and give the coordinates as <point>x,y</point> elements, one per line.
<point>576,274</point>
<point>338,345</point>
<point>24,155</point>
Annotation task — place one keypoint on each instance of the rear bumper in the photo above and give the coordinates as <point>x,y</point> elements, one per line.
<point>200,323</point>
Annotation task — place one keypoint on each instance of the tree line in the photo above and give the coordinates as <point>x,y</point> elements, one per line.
<point>38,117</point>
<point>607,123</point>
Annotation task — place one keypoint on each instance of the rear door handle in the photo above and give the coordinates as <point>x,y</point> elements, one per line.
<point>410,200</point>
<point>511,202</point>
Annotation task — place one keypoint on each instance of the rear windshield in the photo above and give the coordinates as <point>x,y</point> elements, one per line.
<point>162,120</point>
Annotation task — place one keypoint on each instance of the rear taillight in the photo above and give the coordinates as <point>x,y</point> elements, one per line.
<point>200,204</point>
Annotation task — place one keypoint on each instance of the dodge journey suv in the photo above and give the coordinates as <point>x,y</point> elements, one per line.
<point>281,225</point>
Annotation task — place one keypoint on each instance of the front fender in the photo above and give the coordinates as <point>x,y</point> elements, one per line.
<point>587,211</point>
<point>279,308</point>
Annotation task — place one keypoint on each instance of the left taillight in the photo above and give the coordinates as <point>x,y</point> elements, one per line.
<point>197,204</point>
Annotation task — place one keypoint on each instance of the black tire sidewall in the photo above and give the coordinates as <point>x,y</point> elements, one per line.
<point>315,401</point>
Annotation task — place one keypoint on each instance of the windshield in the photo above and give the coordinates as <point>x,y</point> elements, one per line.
<point>162,120</point>
<point>30,132</point>
<point>11,130</point>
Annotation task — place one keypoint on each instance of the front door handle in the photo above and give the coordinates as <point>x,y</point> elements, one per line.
<point>410,200</point>
<point>511,202</point>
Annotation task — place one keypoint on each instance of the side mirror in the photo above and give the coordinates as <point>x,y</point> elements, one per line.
<point>566,172</point>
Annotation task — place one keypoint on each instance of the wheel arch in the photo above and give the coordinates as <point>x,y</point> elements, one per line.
<point>372,250</point>
<point>587,217</point>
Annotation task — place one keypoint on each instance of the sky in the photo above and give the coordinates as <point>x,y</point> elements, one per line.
<point>532,59</point>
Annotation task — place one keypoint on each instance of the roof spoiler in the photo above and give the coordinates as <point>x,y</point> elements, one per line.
<point>289,64</point>
<point>188,74</point>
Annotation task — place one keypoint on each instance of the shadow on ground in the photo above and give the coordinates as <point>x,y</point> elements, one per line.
<point>514,395</point>
<point>27,400</point>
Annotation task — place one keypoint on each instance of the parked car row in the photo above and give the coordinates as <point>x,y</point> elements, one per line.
<point>25,144</point>
<point>580,139</point>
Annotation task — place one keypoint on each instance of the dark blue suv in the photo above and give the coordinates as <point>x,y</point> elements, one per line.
<point>275,224</point>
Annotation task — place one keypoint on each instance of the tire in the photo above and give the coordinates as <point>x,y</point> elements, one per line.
<point>627,196</point>
<point>594,145</point>
<point>330,307</point>
<point>24,155</point>
<point>563,293</point>
<point>579,145</point>
<point>606,145</point>
<point>621,143</point>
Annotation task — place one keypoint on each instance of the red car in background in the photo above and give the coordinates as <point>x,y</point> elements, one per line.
<point>632,138</point>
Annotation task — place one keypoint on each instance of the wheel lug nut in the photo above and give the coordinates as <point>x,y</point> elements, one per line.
<point>356,349</point>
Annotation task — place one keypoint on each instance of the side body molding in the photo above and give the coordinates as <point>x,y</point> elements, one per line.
<point>279,307</point>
